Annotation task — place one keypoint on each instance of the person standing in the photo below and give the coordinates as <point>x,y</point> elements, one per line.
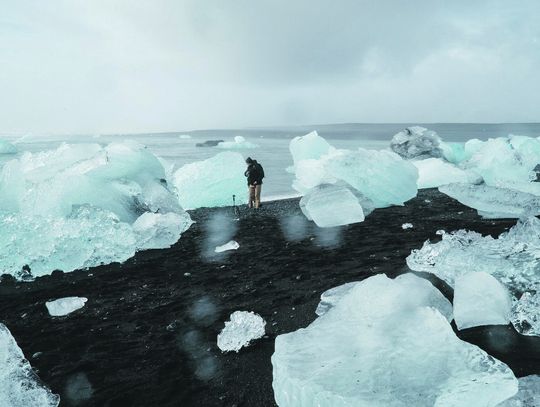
<point>254,174</point>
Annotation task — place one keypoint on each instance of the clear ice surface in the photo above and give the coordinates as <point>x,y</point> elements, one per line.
<point>238,143</point>
<point>331,205</point>
<point>242,328</point>
<point>434,172</point>
<point>19,385</point>
<point>528,394</point>
<point>494,202</point>
<point>65,306</point>
<point>76,207</point>
<point>416,142</point>
<point>232,245</point>
<point>384,342</point>
<point>212,182</point>
<point>308,147</point>
<point>479,299</point>
<point>7,148</point>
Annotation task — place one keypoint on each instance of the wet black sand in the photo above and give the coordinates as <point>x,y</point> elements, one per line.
<point>147,335</point>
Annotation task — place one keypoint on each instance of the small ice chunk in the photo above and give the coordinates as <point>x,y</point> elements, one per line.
<point>242,328</point>
<point>494,202</point>
<point>366,350</point>
<point>331,205</point>
<point>184,136</point>
<point>407,226</point>
<point>19,384</point>
<point>416,142</point>
<point>238,143</point>
<point>528,394</point>
<point>65,306</point>
<point>232,245</point>
<point>479,299</point>
<point>526,313</point>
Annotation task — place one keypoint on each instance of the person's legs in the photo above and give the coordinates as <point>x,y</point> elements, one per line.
<point>258,195</point>
<point>251,196</point>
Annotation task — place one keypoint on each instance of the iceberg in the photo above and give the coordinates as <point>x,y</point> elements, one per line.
<point>494,202</point>
<point>212,182</point>
<point>416,141</point>
<point>453,152</point>
<point>232,245</point>
<point>309,147</point>
<point>386,343</point>
<point>528,394</point>
<point>65,306</point>
<point>7,148</point>
<point>19,385</point>
<point>242,328</point>
<point>331,205</point>
<point>434,172</point>
<point>479,299</point>
<point>76,206</point>
<point>238,143</point>
<point>513,258</point>
<point>184,136</point>
<point>160,231</point>
<point>526,313</point>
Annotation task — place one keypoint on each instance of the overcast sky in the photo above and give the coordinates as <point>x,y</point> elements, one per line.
<point>102,66</point>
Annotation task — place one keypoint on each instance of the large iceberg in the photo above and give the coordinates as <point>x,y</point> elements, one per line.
<point>238,143</point>
<point>84,205</point>
<point>479,299</point>
<point>416,141</point>
<point>386,343</point>
<point>212,182</point>
<point>242,328</point>
<point>331,205</point>
<point>19,385</point>
<point>377,178</point>
<point>494,202</point>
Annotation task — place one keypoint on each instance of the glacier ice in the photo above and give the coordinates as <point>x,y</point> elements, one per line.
<point>242,328</point>
<point>526,313</point>
<point>238,143</point>
<point>416,141</point>
<point>494,202</point>
<point>75,206</point>
<point>453,152</point>
<point>159,231</point>
<point>378,178</point>
<point>330,205</point>
<point>407,226</point>
<point>479,299</point>
<point>308,147</point>
<point>212,182</point>
<point>434,172</point>
<point>7,148</point>
<point>65,306</point>
<point>19,385</point>
<point>386,343</point>
<point>513,258</point>
<point>232,245</point>
<point>528,394</point>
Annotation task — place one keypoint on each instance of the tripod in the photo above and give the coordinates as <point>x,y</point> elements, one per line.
<point>236,210</point>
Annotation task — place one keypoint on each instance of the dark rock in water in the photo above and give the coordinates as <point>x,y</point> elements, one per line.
<point>209,143</point>
<point>148,335</point>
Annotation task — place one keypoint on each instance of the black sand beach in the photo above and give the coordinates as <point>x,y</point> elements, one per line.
<point>147,335</point>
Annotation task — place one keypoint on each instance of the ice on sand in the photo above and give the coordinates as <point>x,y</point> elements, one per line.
<point>526,313</point>
<point>494,202</point>
<point>212,182</point>
<point>416,141</point>
<point>159,231</point>
<point>232,245</point>
<point>512,258</point>
<point>75,206</point>
<point>386,343</point>
<point>19,385</point>
<point>65,306</point>
<point>407,226</point>
<point>330,205</point>
<point>242,328</point>
<point>238,143</point>
<point>479,299</point>
<point>528,394</point>
<point>434,172</point>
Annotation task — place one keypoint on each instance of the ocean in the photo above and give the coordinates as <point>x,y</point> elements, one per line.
<point>273,143</point>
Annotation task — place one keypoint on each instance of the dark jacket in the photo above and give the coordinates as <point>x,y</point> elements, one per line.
<point>254,173</point>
